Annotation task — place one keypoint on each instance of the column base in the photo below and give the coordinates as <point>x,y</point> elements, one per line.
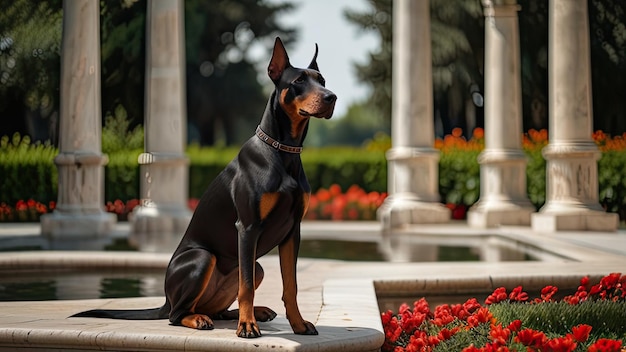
<point>581,220</point>
<point>494,214</point>
<point>62,225</point>
<point>158,228</point>
<point>402,209</point>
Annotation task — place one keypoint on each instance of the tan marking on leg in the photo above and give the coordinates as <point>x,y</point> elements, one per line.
<point>247,326</point>
<point>267,203</point>
<point>287,255</point>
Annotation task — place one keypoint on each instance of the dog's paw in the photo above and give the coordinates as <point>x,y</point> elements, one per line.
<point>248,329</point>
<point>306,328</point>
<point>264,314</point>
<point>197,321</point>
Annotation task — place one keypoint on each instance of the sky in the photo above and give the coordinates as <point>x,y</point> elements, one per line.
<point>340,45</point>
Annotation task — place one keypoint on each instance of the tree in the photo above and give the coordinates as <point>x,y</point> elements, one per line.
<point>30,38</point>
<point>455,34</point>
<point>222,77</point>
<point>222,85</point>
<point>457,44</point>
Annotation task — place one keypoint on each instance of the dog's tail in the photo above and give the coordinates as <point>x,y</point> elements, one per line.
<point>128,314</point>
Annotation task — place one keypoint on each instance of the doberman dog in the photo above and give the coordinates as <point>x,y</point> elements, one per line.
<point>255,204</point>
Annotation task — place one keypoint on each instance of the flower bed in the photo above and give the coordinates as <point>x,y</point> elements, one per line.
<point>31,210</point>
<point>591,319</point>
<point>333,204</point>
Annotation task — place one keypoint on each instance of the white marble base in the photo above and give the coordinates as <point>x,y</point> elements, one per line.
<point>63,225</point>
<point>483,215</point>
<point>402,209</point>
<point>583,220</point>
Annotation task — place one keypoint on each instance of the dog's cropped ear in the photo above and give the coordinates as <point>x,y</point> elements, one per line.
<point>313,64</point>
<point>279,61</point>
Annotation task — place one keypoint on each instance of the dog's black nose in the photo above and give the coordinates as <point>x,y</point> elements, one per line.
<point>330,98</point>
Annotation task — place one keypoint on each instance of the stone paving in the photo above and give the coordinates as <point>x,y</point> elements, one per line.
<point>339,297</point>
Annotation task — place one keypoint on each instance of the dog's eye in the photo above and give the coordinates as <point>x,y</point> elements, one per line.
<point>300,79</point>
<point>322,81</point>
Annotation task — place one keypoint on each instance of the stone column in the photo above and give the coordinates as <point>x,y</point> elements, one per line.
<point>80,162</point>
<point>413,162</point>
<point>571,155</point>
<point>164,166</point>
<point>503,199</point>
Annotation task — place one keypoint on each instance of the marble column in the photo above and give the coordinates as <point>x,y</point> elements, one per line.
<point>80,162</point>
<point>413,162</point>
<point>164,166</point>
<point>503,199</point>
<point>571,155</point>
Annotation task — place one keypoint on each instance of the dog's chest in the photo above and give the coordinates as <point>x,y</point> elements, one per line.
<point>280,222</point>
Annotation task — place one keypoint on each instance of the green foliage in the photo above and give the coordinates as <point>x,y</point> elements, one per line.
<point>123,43</point>
<point>360,123</point>
<point>459,176</point>
<point>558,318</point>
<point>456,31</point>
<point>478,336</point>
<point>205,165</point>
<point>29,53</point>
<point>121,175</point>
<point>345,167</point>
<point>27,170</point>
<point>611,171</point>
<point>117,135</point>
<point>376,72</point>
<point>536,177</point>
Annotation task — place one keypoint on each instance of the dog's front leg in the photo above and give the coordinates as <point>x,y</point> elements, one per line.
<point>288,252</point>
<point>248,326</point>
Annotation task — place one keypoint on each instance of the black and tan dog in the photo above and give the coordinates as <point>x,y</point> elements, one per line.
<point>254,205</point>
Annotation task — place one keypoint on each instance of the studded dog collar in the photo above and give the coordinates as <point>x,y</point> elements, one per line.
<point>275,144</point>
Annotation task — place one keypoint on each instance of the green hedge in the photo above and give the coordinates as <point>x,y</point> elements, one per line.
<point>27,171</point>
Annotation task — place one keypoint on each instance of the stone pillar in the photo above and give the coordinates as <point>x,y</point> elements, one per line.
<point>571,155</point>
<point>80,162</point>
<point>164,166</point>
<point>503,199</point>
<point>413,162</point>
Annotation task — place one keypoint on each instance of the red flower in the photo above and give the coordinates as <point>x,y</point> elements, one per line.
<point>606,345</point>
<point>498,295</point>
<point>386,317</point>
<point>584,281</point>
<point>531,338</point>
<point>517,295</point>
<point>515,325</point>
<point>443,315</point>
<point>471,305</point>
<point>132,203</point>
<point>561,344</point>
<point>334,190</point>
<point>21,206</point>
<point>610,281</point>
<point>481,316</point>
<point>548,292</point>
<point>499,335</point>
<point>581,332</point>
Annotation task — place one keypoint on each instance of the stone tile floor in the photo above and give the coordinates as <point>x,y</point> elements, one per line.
<point>338,296</point>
